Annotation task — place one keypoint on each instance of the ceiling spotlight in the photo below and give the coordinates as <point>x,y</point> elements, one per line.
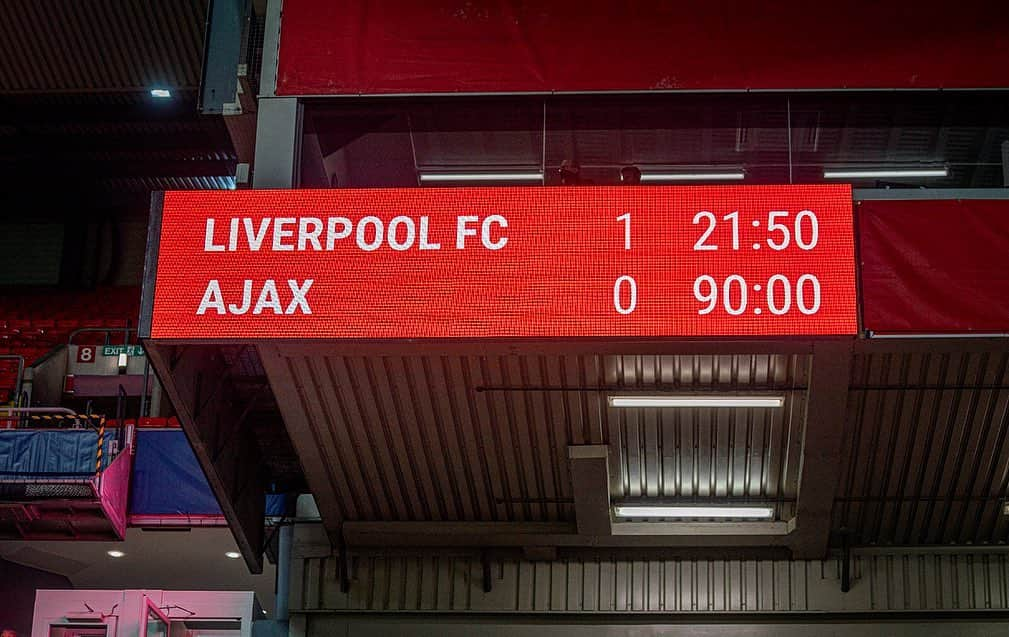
<point>869,173</point>
<point>161,93</point>
<point>695,512</point>
<point>115,553</point>
<point>695,401</point>
<point>234,555</point>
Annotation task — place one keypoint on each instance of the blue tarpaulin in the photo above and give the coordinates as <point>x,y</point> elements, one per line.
<point>276,505</point>
<point>167,479</point>
<point>51,453</point>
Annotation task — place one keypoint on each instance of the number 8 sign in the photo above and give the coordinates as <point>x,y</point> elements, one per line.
<point>86,353</point>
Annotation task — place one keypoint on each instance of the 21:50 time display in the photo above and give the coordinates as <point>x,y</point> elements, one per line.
<point>802,230</point>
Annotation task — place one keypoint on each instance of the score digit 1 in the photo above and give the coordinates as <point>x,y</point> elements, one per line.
<point>625,280</point>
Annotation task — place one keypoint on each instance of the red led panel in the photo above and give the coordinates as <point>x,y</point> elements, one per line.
<point>369,47</point>
<point>535,262</point>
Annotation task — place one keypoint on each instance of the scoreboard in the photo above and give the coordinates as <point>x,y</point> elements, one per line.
<point>515,262</point>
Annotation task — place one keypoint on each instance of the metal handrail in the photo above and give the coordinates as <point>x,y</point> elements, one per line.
<point>42,410</point>
<point>64,412</point>
<point>21,370</point>
<point>107,330</point>
<point>61,413</point>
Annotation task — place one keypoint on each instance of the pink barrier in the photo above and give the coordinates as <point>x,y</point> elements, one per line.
<point>114,488</point>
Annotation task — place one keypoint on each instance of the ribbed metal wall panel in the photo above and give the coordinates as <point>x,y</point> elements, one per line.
<point>442,583</point>
<point>926,455</point>
<point>100,45</point>
<point>485,437</point>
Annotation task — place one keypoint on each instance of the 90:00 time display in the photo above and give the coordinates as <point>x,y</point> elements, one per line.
<point>734,293</point>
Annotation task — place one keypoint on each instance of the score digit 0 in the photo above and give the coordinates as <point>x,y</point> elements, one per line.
<point>632,303</point>
<point>631,283</point>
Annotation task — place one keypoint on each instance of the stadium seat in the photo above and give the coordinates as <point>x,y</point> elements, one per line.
<point>34,322</point>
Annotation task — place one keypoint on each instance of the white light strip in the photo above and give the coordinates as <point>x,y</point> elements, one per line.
<point>646,177</point>
<point>846,173</point>
<point>481,176</point>
<point>160,92</point>
<point>695,401</point>
<point>724,512</point>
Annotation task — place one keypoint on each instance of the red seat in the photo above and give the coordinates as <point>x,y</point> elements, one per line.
<point>33,322</point>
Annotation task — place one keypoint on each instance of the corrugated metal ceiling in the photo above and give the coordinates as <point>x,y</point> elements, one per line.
<point>70,46</point>
<point>484,438</point>
<point>926,460</point>
<point>75,108</point>
<point>122,148</point>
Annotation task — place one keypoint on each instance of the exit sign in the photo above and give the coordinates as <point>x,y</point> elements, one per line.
<point>116,350</point>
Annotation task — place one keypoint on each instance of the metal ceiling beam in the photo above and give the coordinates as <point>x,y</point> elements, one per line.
<point>28,111</point>
<point>897,194</point>
<point>565,347</point>
<point>819,471</point>
<point>209,408</point>
<point>553,534</point>
<point>309,431</point>
<point>156,139</point>
<point>116,169</point>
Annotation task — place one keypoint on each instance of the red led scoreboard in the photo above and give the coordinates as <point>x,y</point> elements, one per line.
<point>693,261</point>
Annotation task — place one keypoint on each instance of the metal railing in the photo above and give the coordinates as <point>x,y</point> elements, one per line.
<point>21,372</point>
<point>126,331</point>
<point>47,415</point>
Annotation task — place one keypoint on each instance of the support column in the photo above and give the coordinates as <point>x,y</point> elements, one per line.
<point>284,542</point>
<point>278,129</point>
<point>826,406</point>
<point>278,143</point>
<point>590,481</point>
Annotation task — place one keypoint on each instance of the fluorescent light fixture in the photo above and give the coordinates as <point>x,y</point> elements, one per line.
<point>856,173</point>
<point>688,511</point>
<point>233,555</point>
<point>162,93</point>
<point>482,177</point>
<point>695,401</point>
<point>692,176</point>
<point>115,553</point>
